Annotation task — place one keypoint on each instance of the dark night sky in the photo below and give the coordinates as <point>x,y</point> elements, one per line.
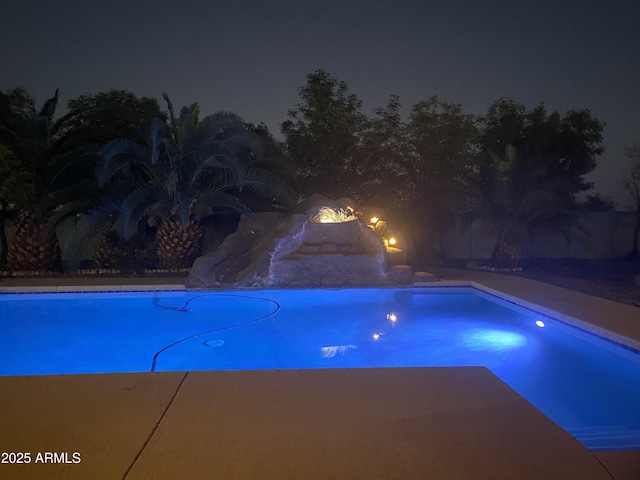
<point>251,57</point>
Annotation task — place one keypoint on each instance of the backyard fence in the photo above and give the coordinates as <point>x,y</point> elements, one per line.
<point>591,235</point>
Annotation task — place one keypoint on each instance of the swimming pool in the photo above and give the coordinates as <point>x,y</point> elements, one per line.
<point>587,385</point>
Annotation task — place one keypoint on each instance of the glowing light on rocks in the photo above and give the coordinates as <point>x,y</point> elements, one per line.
<point>329,215</point>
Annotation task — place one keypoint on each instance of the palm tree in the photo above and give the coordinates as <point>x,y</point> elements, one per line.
<point>10,180</point>
<point>93,121</point>
<point>513,201</point>
<point>32,137</point>
<point>187,172</point>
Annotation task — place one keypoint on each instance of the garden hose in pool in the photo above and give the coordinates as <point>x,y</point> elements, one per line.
<point>187,308</point>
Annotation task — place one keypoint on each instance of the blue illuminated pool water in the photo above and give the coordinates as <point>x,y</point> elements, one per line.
<point>587,385</point>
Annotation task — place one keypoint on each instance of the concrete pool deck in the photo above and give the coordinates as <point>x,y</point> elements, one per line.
<point>445,423</point>
<point>409,423</point>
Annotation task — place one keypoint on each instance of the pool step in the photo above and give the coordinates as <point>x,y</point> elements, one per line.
<point>608,437</point>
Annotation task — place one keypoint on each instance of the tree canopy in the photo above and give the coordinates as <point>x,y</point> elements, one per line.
<point>323,134</point>
<point>101,117</point>
<point>565,148</point>
<point>530,167</point>
<point>519,169</point>
<point>443,162</point>
<point>382,165</point>
<point>631,185</point>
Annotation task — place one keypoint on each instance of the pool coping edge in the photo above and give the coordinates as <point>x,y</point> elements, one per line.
<point>597,330</point>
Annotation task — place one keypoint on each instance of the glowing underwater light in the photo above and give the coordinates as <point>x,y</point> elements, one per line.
<point>489,339</point>
<point>540,323</point>
<point>392,317</point>
<point>376,336</point>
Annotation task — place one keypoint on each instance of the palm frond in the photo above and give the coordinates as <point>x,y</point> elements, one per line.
<point>156,135</point>
<point>69,166</point>
<point>90,231</point>
<point>213,202</point>
<point>66,211</point>
<point>63,203</point>
<point>172,117</point>
<point>186,200</point>
<point>213,154</point>
<point>223,179</point>
<point>243,141</point>
<point>115,155</point>
<point>186,126</point>
<point>133,208</point>
<point>48,110</point>
<point>268,185</point>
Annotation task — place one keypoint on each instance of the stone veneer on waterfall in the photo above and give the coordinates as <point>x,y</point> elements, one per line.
<point>274,250</point>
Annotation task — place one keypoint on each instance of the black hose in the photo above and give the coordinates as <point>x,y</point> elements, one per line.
<point>185,308</point>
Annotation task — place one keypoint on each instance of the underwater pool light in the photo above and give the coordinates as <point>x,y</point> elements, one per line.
<point>478,339</point>
<point>540,323</point>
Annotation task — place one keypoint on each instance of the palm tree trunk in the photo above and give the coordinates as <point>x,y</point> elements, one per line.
<point>30,249</point>
<point>178,246</point>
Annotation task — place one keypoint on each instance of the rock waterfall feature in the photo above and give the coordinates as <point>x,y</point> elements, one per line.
<point>326,246</point>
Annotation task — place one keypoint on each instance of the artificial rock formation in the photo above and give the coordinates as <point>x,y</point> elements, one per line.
<point>272,250</point>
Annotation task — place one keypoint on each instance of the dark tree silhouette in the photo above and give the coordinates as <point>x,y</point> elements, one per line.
<point>531,166</point>
<point>323,135</point>
<point>631,185</point>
